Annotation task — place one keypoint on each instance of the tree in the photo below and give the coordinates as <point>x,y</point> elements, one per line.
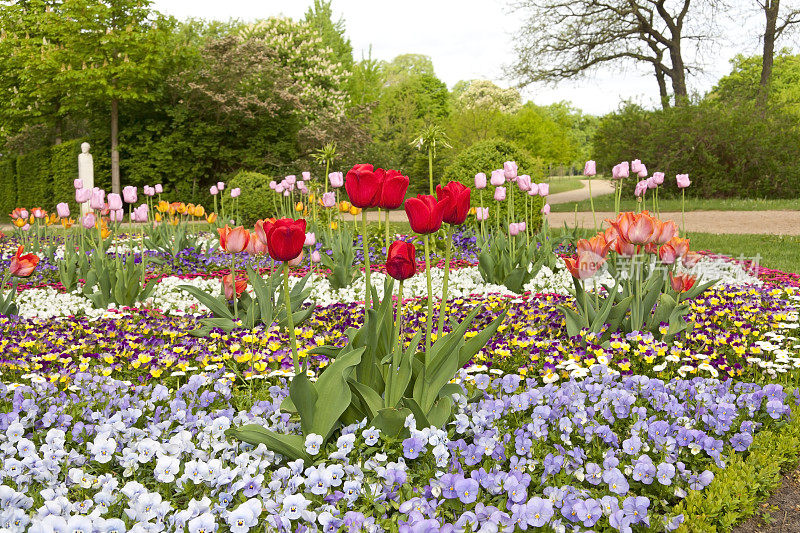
<point>776,24</point>
<point>566,39</point>
<point>479,110</point>
<point>743,84</point>
<point>320,17</point>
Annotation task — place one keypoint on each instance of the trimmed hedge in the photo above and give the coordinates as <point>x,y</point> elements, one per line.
<point>257,199</point>
<point>64,169</point>
<point>8,186</point>
<point>485,156</point>
<point>34,180</point>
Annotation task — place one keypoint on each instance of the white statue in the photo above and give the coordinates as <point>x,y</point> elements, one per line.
<point>86,172</point>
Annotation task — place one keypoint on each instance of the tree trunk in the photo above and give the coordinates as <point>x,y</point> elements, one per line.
<point>662,87</point>
<point>678,74</point>
<point>771,9</point>
<point>115,146</point>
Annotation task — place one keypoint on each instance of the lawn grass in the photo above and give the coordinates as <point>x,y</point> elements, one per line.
<point>606,203</point>
<point>773,251</point>
<point>564,184</point>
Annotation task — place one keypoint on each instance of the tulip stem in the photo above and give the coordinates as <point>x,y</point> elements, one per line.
<point>683,212</point>
<point>287,300</point>
<point>591,203</point>
<point>443,301</point>
<point>430,169</point>
<point>233,282</point>
<point>429,318</point>
<point>367,266</point>
<point>398,324</point>
<point>387,231</point>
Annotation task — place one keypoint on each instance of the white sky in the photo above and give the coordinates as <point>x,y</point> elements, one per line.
<point>466,39</point>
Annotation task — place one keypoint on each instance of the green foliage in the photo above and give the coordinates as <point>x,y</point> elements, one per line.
<point>8,185</point>
<point>742,83</point>
<point>744,482</point>
<point>489,155</point>
<point>501,264</point>
<point>120,282</point>
<point>257,200</point>
<point>376,378</point>
<point>34,180</point>
<point>64,170</point>
<point>729,149</point>
<point>340,263</point>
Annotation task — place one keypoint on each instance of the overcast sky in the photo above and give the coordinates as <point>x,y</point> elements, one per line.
<point>466,39</point>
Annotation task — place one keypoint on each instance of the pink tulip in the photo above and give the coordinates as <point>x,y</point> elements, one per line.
<point>290,178</point>
<point>140,213</point>
<point>480,180</point>
<point>544,189</point>
<point>546,209</point>
<point>301,186</point>
<point>620,171</point>
<point>214,190</point>
<point>220,185</point>
<point>328,199</point>
<point>97,200</point>
<point>524,183</point>
<point>279,188</point>
<point>658,178</point>
<point>336,179</point>
<point>114,201</point>
<point>482,213</point>
<point>26,227</point>
<point>641,188</point>
<point>498,178</point>
<point>315,257</point>
<point>235,192</point>
<point>522,226</point>
<point>158,189</point>
<point>88,221</point>
<point>129,194</point>
<point>683,180</point>
<point>510,170</point>
<point>590,168</point>
<point>651,184</point>
<point>83,195</point>
<point>534,190</point>
<point>149,191</point>
<point>513,229</point>
<point>642,171</point>
<point>500,194</point>
<point>311,239</point>
<point>272,185</point>
<point>286,193</point>
<point>63,210</point>
<point>635,165</point>
<point>116,215</point>
<point>306,176</point>
<point>77,183</point>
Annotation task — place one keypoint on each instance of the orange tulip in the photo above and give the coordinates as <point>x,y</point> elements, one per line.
<point>585,265</point>
<point>211,218</point>
<point>233,240</point>
<point>344,207</point>
<point>67,222</point>
<point>19,222</point>
<point>23,266</point>
<point>262,228</point>
<point>158,217</point>
<point>52,219</point>
<point>354,210</point>
<point>681,246</point>
<point>19,212</point>
<point>162,206</point>
<point>596,245</point>
<point>682,283</point>
<point>664,232</point>
<point>227,282</point>
<point>298,206</point>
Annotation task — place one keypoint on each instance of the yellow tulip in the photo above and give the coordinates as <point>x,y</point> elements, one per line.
<point>344,207</point>
<point>298,206</point>
<point>211,218</point>
<point>158,217</point>
<point>163,206</point>
<point>334,225</point>
<point>67,222</point>
<point>19,222</point>
<point>199,211</point>
<point>354,210</point>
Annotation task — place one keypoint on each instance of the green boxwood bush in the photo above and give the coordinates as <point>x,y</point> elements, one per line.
<point>64,169</point>
<point>8,186</point>
<point>34,180</point>
<point>485,156</point>
<point>257,199</point>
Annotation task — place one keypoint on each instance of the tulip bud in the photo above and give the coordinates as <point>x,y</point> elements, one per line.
<point>544,189</point>
<point>77,183</point>
<point>315,257</point>
<point>158,189</point>
<point>546,209</point>
<point>311,239</point>
<point>524,183</point>
<point>510,170</point>
<point>114,201</point>
<point>590,168</point>
<point>498,178</point>
<point>213,190</point>
<point>683,180</point>
<point>534,190</point>
<point>513,229</point>
<point>97,200</point>
<point>480,180</point>
<point>63,210</point>
<point>306,176</point>
<point>129,194</point>
<point>220,186</point>
<point>482,213</point>
<point>328,199</point>
<point>500,194</point>
<point>272,185</point>
<point>235,192</point>
<point>336,179</point>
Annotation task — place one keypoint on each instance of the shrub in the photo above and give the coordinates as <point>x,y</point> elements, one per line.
<point>257,199</point>
<point>34,181</point>
<point>8,186</point>
<point>64,170</point>
<point>729,149</point>
<point>485,156</point>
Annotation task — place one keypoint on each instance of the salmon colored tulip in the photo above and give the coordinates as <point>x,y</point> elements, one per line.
<point>636,228</point>
<point>667,254</point>
<point>227,283</point>
<point>681,246</point>
<point>682,283</point>
<point>691,259</point>
<point>598,245</point>
<point>664,231</point>
<point>233,240</point>
<point>584,266</point>
<point>23,266</point>
<point>262,228</point>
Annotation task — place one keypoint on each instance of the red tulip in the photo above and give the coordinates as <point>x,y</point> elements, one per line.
<point>227,283</point>
<point>286,238</point>
<point>233,240</point>
<point>23,266</point>
<point>425,213</point>
<point>401,260</point>
<point>457,207</point>
<point>682,283</point>
<point>393,190</point>
<point>363,186</point>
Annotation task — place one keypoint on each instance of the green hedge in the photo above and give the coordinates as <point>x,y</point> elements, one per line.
<point>34,180</point>
<point>257,199</point>
<point>64,169</point>
<point>745,482</point>
<point>729,149</point>
<point>8,186</point>
<point>485,156</point>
